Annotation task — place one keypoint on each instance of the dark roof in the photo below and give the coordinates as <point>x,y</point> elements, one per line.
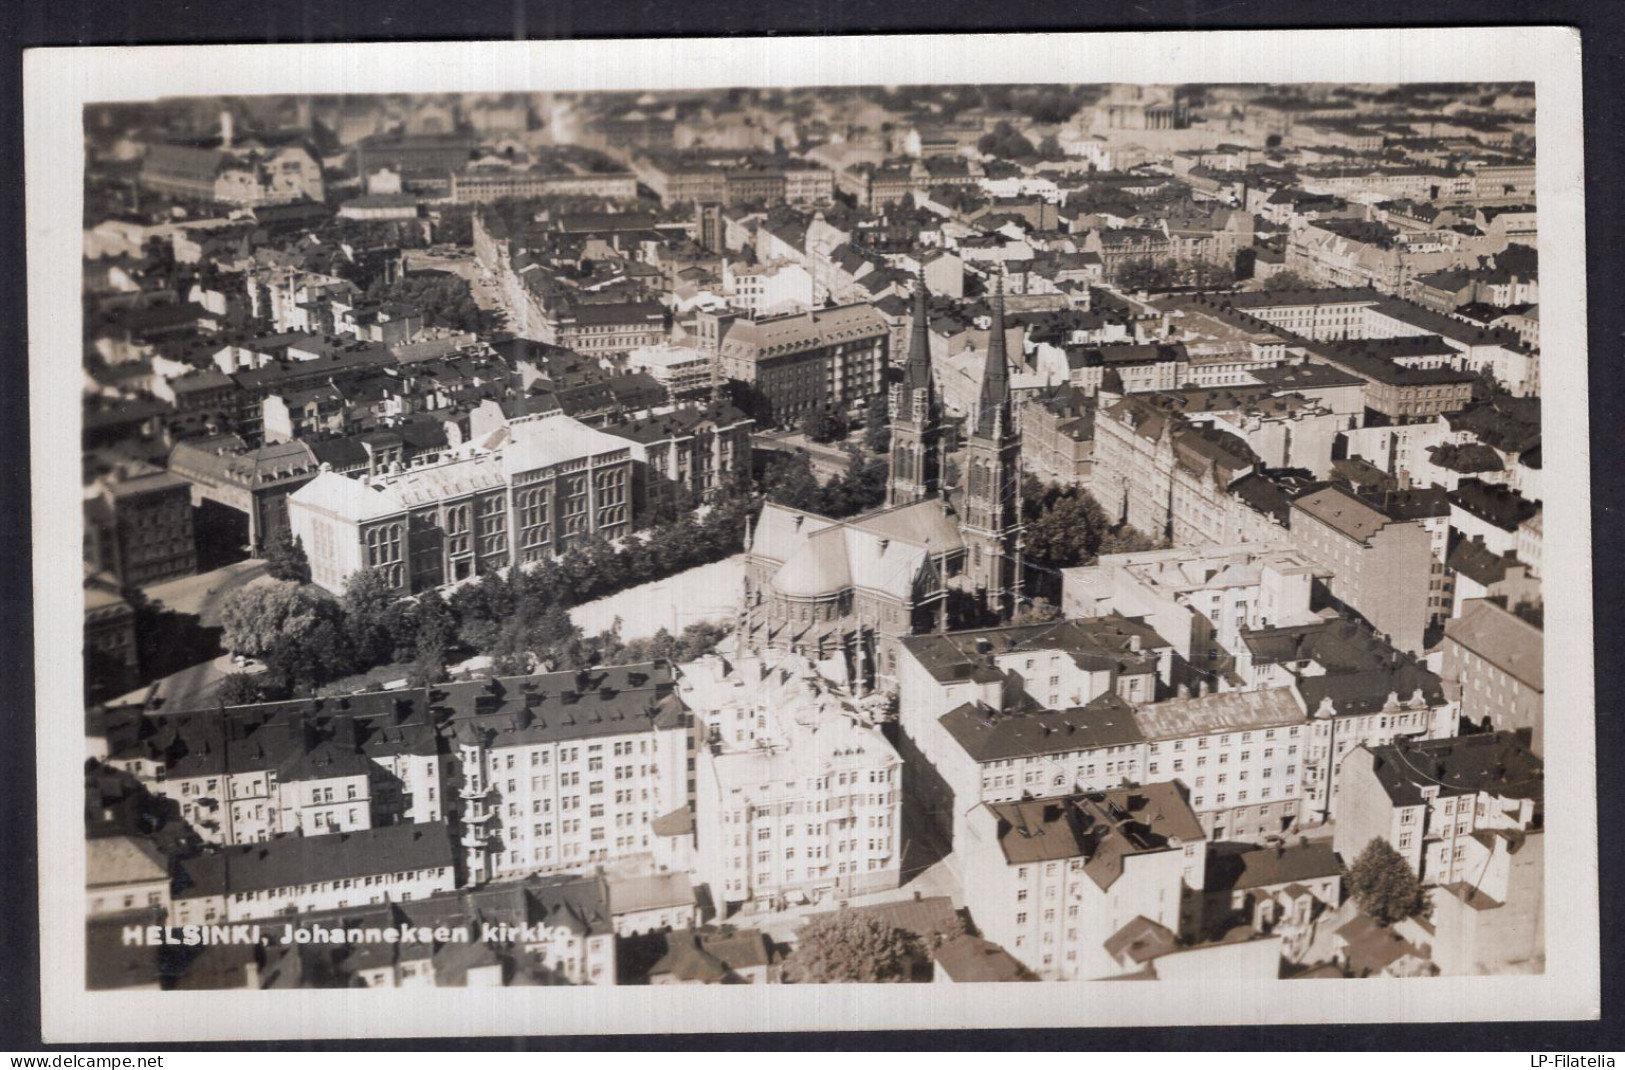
<point>1266,867</point>
<point>1493,503</point>
<point>288,861</point>
<point>969,959</point>
<point>1499,763</point>
<point>1100,828</point>
<point>713,957</point>
<point>524,710</point>
<point>988,735</point>
<point>1128,643</point>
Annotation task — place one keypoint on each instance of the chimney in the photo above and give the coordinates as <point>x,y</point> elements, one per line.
<point>226,130</point>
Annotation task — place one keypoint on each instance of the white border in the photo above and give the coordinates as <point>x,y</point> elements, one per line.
<point>59,82</point>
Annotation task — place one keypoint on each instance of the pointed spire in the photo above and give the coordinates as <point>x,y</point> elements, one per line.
<point>993,412</point>
<point>918,373</point>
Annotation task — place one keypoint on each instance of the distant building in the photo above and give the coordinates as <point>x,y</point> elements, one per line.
<point>138,525</point>
<point>254,169</point>
<point>803,363</point>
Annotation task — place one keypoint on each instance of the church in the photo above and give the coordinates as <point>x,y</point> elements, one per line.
<point>854,588</point>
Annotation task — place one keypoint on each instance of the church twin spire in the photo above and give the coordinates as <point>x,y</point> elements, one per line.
<point>993,405</point>
<point>916,448</point>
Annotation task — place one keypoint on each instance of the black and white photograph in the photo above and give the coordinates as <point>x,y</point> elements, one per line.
<point>1072,511</point>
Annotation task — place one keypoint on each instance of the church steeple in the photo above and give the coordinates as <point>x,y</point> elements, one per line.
<point>993,405</point>
<point>992,505</point>
<point>916,450</point>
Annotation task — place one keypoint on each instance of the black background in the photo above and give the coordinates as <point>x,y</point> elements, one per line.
<point>31,23</point>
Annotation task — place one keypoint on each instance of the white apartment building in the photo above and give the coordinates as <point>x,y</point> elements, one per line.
<point>797,798</point>
<point>1053,879</point>
<point>990,715</point>
<point>1242,756</point>
<point>1438,802</point>
<point>564,771</point>
<point>1200,598</point>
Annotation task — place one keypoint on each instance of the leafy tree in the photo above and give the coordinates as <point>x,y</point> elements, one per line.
<point>877,425</point>
<point>850,946</point>
<point>1124,539</point>
<point>256,618</point>
<point>1142,273</point>
<point>1288,280</point>
<point>1005,141</point>
<point>444,299</point>
<point>1384,885</point>
<point>367,603</point>
<point>1065,534</point>
<point>788,480</point>
<point>1053,105</point>
<point>826,425</point>
<point>239,689</point>
<point>285,557</point>
<point>436,631</point>
<point>400,623</point>
<point>299,663</point>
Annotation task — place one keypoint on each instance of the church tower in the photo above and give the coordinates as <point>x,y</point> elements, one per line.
<point>991,510</point>
<point>916,419</point>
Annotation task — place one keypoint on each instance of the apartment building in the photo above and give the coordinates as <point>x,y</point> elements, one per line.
<point>293,874</point>
<point>1053,879</point>
<point>309,767</point>
<point>1381,567</point>
<point>1240,754</point>
<point>1440,803</point>
<point>798,799</point>
<point>563,771</point>
<point>1035,709</point>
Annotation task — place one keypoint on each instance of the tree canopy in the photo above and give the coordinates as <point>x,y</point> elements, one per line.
<point>850,946</point>
<point>1384,885</point>
<point>257,618</point>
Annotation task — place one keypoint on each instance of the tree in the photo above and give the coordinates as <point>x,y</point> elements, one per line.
<point>826,425</point>
<point>367,602</point>
<point>1142,273</point>
<point>1288,280</point>
<point>1005,141</point>
<point>877,425</point>
<point>285,557</point>
<point>1124,539</point>
<point>788,480</point>
<point>256,618</point>
<point>850,946</point>
<point>1384,885</point>
<point>436,630</point>
<point>239,689</point>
